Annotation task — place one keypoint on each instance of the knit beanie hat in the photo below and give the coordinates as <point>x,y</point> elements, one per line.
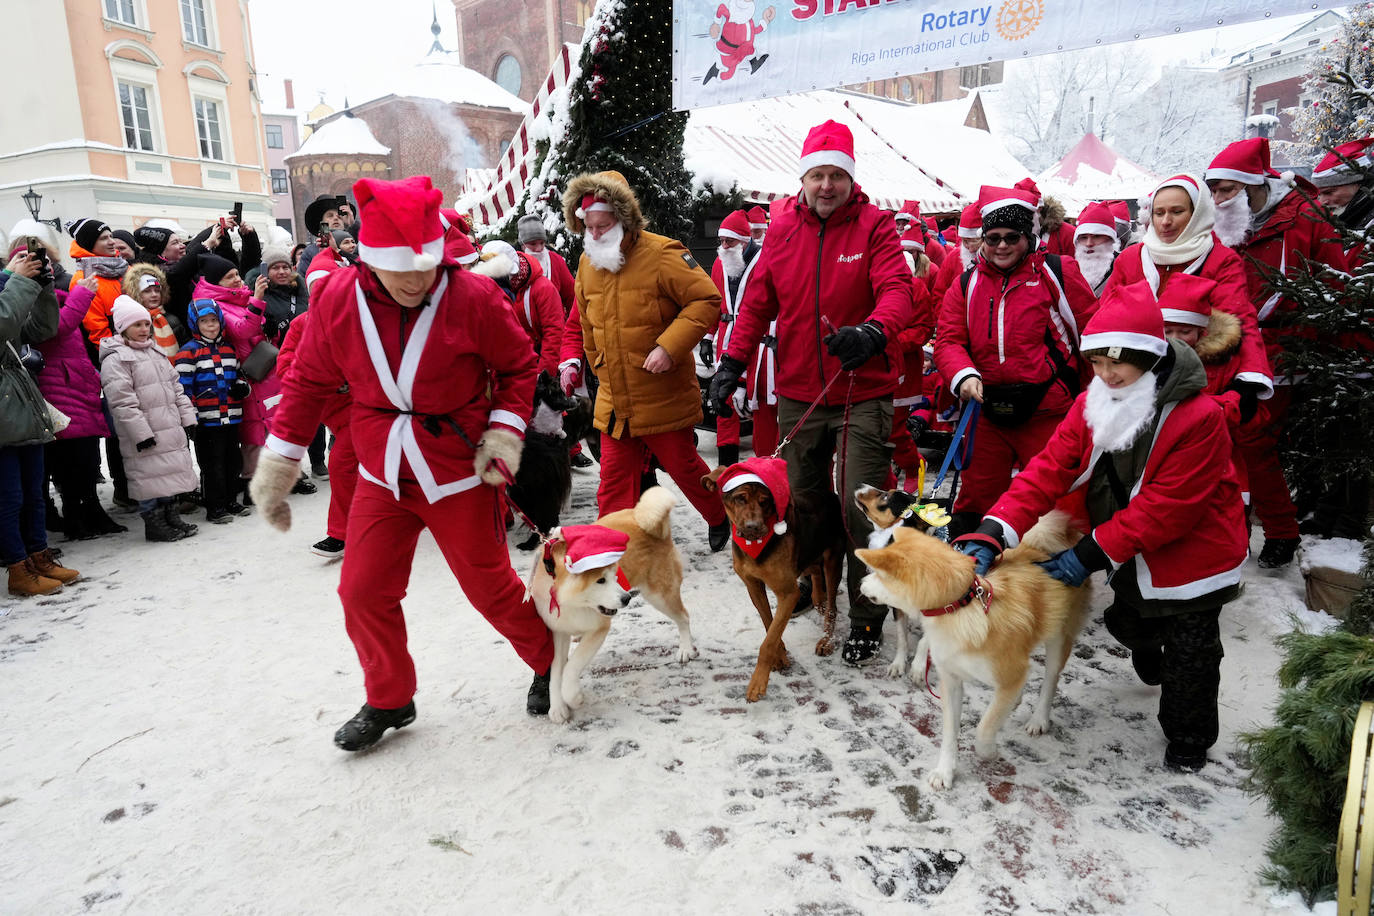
<point>86,231</point>
<point>340,236</point>
<point>213,268</point>
<point>199,308</point>
<point>125,312</point>
<point>272,256</point>
<point>152,239</point>
<point>530,229</point>
<point>127,237</point>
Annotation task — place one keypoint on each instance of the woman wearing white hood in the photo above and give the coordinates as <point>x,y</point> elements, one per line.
<point>1179,239</point>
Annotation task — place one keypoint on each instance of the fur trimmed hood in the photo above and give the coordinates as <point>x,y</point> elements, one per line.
<point>612,188</point>
<point>1052,215</point>
<point>1222,339</point>
<point>135,274</point>
<point>498,267</point>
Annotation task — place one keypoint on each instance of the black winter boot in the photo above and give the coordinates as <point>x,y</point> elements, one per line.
<point>156,528</point>
<point>862,644</point>
<point>1278,552</point>
<point>54,521</point>
<point>173,517</point>
<point>367,727</point>
<point>76,521</point>
<point>727,455</point>
<point>537,700</point>
<point>98,520</point>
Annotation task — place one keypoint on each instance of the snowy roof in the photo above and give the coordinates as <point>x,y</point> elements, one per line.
<point>439,75</point>
<point>1092,170</point>
<point>758,144</point>
<point>345,136</point>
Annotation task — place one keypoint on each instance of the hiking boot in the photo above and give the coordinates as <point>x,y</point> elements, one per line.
<point>367,727</point>
<point>1185,758</point>
<point>328,548</point>
<point>1278,552</point>
<point>718,536</point>
<point>862,644</point>
<point>45,564</point>
<point>173,516</point>
<point>537,700</point>
<point>1148,665</point>
<point>304,486</point>
<point>25,582</point>
<point>155,527</point>
<point>581,461</point>
<point>319,469</point>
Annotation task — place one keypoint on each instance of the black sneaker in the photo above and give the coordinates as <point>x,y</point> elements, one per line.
<point>320,470</point>
<point>366,728</point>
<point>219,516</point>
<point>304,486</point>
<point>236,509</point>
<point>581,461</point>
<point>329,548</point>
<point>1278,552</point>
<point>1148,665</point>
<point>718,536</point>
<point>862,644</point>
<point>537,700</point>
<point>1185,758</point>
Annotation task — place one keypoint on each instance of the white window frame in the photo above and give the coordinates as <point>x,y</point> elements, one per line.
<point>123,70</point>
<point>211,26</point>
<point>285,177</point>
<point>138,129</point>
<point>136,6</point>
<point>267,137</point>
<point>209,105</point>
<point>217,92</point>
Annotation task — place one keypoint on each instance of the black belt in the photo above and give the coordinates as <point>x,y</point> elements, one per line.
<point>432,423</point>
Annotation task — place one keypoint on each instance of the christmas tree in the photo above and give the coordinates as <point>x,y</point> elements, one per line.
<point>1343,107</point>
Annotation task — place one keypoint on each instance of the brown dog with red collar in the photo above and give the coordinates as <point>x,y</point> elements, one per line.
<point>775,540</point>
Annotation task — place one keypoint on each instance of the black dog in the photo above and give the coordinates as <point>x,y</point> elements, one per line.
<point>545,477</point>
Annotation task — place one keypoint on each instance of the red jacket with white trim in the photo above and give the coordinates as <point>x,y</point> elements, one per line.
<point>562,279</point>
<point>322,265</point>
<point>996,328</point>
<point>848,269</point>
<point>540,312</point>
<point>462,361</point>
<point>912,341</point>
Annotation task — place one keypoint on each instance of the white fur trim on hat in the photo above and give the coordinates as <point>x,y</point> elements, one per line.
<point>1183,316</point>
<point>740,480</point>
<point>1234,175</point>
<point>826,157</point>
<point>1094,229</point>
<point>600,205</point>
<point>975,233</point>
<point>403,257</point>
<point>1125,339</point>
<point>595,561</point>
<point>998,204</point>
<point>731,234</point>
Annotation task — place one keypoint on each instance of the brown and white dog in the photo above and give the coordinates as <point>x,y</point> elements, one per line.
<point>775,540</point>
<point>980,628</point>
<point>580,597</point>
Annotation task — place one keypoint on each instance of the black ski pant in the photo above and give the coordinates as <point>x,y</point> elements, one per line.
<point>217,453</point>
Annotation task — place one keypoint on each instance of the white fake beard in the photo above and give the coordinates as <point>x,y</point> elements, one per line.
<point>605,253</point>
<point>1233,220</point>
<point>731,261</point>
<point>543,260</point>
<point>966,257</point>
<point>1116,416</point>
<point>1094,262</point>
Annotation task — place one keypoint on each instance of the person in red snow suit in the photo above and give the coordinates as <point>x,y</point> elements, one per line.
<point>735,254</point>
<point>1008,339</point>
<point>1275,227</point>
<point>533,297</point>
<point>442,379</point>
<point>343,459</point>
<point>832,276</point>
<point>937,410</point>
<point>458,247</point>
<point>911,341</point>
<point>969,240</point>
<point>735,36</point>
<point>1052,230</point>
<point>912,228</point>
<point>1153,455</point>
<point>534,241</point>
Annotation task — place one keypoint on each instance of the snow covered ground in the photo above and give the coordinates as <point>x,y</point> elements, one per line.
<point>167,749</point>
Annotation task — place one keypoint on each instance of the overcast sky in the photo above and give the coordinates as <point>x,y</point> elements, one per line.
<point>340,47</point>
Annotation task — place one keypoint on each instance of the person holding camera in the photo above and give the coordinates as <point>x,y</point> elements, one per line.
<point>321,219</point>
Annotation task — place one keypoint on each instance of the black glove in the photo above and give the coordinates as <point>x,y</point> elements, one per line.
<point>917,426</point>
<point>723,385</point>
<point>146,444</point>
<point>239,389</point>
<point>1249,398</point>
<point>190,433</point>
<point>856,344</point>
<point>707,349</point>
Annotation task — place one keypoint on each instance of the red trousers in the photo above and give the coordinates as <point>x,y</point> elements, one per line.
<point>382,533</point>
<point>766,430</point>
<point>1259,450</point>
<point>727,430</point>
<point>997,451</point>
<point>343,480</point>
<point>623,460</point>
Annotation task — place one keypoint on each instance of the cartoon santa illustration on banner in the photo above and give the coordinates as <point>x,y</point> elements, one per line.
<point>735,36</point>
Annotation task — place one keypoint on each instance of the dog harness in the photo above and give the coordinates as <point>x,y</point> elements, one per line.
<point>980,590</point>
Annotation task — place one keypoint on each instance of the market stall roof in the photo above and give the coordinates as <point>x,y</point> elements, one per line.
<point>1092,170</point>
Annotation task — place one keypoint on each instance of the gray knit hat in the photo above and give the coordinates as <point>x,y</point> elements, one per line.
<point>271,255</point>
<point>531,229</point>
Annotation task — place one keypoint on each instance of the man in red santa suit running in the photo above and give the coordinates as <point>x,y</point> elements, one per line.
<point>442,378</point>
<point>734,37</point>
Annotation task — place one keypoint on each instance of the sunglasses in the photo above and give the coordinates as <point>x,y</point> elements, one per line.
<point>996,241</point>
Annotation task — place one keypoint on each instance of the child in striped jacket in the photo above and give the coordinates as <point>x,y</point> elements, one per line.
<point>209,372</point>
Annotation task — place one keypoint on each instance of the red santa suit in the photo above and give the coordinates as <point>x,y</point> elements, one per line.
<point>734,227</point>
<point>427,383</point>
<point>912,341</point>
<point>324,264</point>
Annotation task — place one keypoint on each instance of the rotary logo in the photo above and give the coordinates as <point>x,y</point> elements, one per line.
<point>1018,18</point>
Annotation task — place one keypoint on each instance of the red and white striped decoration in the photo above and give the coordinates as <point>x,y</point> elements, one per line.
<point>516,167</point>
<point>939,183</point>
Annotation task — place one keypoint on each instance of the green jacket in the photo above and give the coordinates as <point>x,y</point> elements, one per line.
<point>28,315</point>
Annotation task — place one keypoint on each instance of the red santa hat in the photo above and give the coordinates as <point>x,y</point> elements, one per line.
<point>772,474</point>
<point>1127,325</point>
<point>911,210</point>
<point>1030,187</point>
<point>591,546</point>
<point>1333,171</point>
<point>913,239</point>
<point>1120,211</point>
<point>971,222</point>
<point>1187,182</point>
<point>590,204</point>
<point>931,225</point>
<point>457,246</point>
<point>400,223</point>
<point>735,226</point>
<point>990,199</point>
<point>1096,219</point>
<point>1246,161</point>
<point>1187,299</point>
<point>758,218</point>
<point>830,143</point>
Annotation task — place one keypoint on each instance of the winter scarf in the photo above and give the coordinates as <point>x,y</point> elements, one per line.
<point>109,268</point>
<point>163,335</point>
<point>1194,243</point>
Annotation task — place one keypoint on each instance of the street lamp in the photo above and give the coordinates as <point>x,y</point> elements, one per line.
<point>33,201</point>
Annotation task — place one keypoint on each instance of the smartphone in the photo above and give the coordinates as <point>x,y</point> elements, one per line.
<point>237,211</point>
<point>37,249</point>
<point>223,224</point>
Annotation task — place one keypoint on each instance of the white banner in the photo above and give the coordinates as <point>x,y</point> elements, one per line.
<point>735,50</point>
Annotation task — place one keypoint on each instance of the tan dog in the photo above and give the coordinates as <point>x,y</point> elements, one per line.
<point>811,542</point>
<point>982,629</point>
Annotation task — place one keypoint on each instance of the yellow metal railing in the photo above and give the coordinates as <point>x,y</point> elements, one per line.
<point>1355,843</point>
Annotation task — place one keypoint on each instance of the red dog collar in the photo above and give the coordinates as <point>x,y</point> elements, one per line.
<point>979,590</point>
<point>752,549</point>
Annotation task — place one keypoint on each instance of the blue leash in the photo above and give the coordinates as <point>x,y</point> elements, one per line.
<point>965,427</point>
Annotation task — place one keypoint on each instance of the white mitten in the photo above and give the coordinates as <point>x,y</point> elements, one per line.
<point>275,476</point>
<point>740,402</point>
<point>502,444</point>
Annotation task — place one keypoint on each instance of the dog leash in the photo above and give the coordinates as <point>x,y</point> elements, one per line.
<point>965,428</point>
<point>777,452</point>
<point>504,469</point>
